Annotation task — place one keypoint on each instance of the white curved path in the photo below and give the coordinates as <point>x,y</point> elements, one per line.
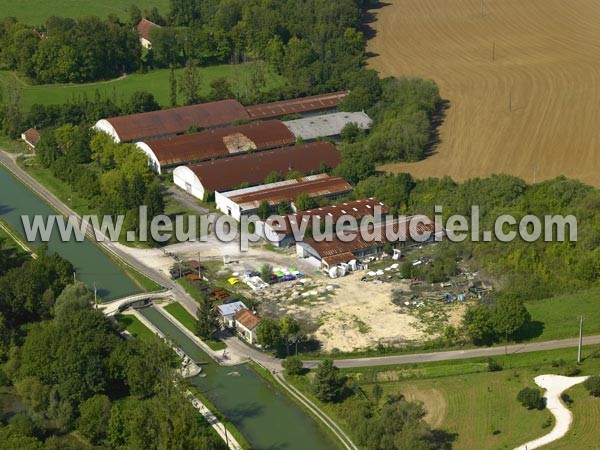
<point>555,385</point>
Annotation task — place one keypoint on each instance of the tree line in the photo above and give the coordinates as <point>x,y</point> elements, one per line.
<point>73,371</point>
<point>114,178</point>
<point>68,50</point>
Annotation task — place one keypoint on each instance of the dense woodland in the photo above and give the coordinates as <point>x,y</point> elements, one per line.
<point>74,371</point>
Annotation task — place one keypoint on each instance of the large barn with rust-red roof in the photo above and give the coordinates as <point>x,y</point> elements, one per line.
<point>217,143</point>
<point>172,121</point>
<point>252,168</point>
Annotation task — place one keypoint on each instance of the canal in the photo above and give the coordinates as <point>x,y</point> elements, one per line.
<point>91,263</point>
<point>268,419</point>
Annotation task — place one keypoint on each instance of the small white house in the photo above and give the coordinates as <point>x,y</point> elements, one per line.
<point>227,311</point>
<point>246,323</point>
<point>144,29</point>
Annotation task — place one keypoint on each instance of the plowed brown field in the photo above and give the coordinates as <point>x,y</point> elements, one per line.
<point>534,108</point>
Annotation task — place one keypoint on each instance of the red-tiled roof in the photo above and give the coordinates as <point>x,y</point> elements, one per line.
<point>288,191</point>
<point>144,28</point>
<point>297,105</point>
<point>356,208</point>
<point>253,168</point>
<point>31,136</point>
<point>398,230</point>
<point>247,318</point>
<point>176,120</point>
<point>221,142</point>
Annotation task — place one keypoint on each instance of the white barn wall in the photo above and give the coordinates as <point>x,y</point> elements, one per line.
<point>227,206</point>
<point>187,180</point>
<point>104,126</point>
<point>152,159</point>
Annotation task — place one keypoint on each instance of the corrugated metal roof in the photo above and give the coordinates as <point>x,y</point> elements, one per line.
<point>288,191</point>
<point>341,258</point>
<point>297,105</point>
<point>253,168</point>
<point>221,142</point>
<point>331,124</point>
<point>177,120</point>
<point>399,227</point>
<point>230,308</point>
<point>356,208</point>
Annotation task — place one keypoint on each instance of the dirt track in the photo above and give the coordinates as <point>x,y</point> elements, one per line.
<point>546,67</point>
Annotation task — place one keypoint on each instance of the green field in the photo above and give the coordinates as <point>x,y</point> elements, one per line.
<point>462,398</point>
<point>137,329</point>
<point>156,82</point>
<point>560,316</point>
<point>586,415</point>
<point>35,12</point>
<point>182,315</point>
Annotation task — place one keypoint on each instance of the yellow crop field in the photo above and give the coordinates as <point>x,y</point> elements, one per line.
<point>522,81</point>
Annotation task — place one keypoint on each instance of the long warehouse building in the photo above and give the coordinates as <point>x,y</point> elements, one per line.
<point>228,173</point>
<point>247,201</point>
<point>172,121</point>
<point>302,105</point>
<point>208,144</point>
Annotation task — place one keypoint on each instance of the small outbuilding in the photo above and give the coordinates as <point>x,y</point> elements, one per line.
<point>144,29</point>
<point>31,137</point>
<point>228,310</point>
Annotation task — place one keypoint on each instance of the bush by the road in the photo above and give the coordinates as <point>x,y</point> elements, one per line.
<point>592,384</point>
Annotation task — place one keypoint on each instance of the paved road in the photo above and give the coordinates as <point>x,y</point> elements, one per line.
<point>459,354</point>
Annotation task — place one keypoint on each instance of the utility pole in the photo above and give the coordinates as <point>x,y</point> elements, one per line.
<point>95,296</point>
<point>481,8</point>
<point>494,51</point>
<point>509,101</point>
<point>580,340</point>
<point>199,268</point>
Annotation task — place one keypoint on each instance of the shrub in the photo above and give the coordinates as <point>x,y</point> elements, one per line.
<point>531,398</point>
<point>571,371</point>
<point>292,366</point>
<point>592,384</point>
<point>494,366</point>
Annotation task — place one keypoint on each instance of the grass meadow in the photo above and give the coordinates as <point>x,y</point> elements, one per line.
<point>35,12</point>
<point>120,89</point>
